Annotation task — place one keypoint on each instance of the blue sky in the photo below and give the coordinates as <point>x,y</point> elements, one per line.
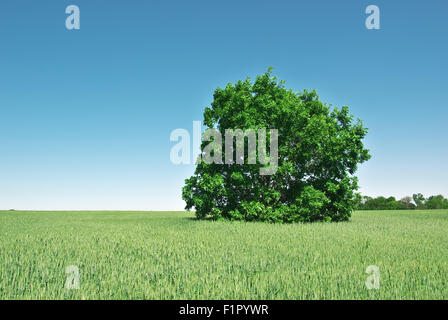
<point>86,115</point>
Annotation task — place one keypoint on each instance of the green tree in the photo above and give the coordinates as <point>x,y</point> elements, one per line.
<point>319,149</point>
<point>380,203</point>
<point>419,200</point>
<point>436,202</point>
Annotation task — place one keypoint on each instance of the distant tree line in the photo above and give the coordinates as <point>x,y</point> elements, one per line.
<point>417,201</point>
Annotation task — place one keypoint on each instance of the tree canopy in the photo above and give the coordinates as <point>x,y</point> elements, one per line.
<point>418,201</point>
<point>319,149</point>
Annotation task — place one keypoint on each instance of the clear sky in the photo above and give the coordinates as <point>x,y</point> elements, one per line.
<point>86,115</point>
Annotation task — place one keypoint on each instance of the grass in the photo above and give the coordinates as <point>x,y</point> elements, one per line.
<point>170,255</point>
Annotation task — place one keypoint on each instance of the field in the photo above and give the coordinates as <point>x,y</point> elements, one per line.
<point>170,255</point>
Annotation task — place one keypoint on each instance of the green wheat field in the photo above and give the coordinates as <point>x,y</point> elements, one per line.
<point>171,255</point>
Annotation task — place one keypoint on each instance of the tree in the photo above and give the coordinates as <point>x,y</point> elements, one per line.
<point>406,203</point>
<point>319,149</point>
<point>419,200</point>
<point>436,202</point>
<point>382,203</point>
